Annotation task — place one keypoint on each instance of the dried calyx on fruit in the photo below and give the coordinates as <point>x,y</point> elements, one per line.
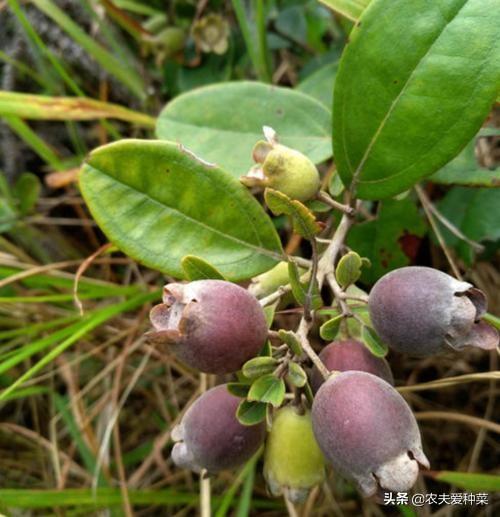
<point>293,462</point>
<point>212,325</point>
<point>422,311</point>
<point>283,169</point>
<point>368,432</point>
<point>347,355</point>
<point>211,437</point>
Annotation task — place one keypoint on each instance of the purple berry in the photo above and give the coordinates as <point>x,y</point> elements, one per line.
<point>211,325</point>
<point>348,355</point>
<point>368,432</point>
<point>422,311</point>
<point>211,437</point>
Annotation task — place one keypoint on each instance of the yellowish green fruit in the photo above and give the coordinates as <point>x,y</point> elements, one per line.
<point>283,169</point>
<point>293,462</point>
<point>268,282</point>
<point>291,172</point>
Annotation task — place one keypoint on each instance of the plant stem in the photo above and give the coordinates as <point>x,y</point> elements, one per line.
<point>338,294</point>
<point>493,320</point>
<point>246,31</point>
<point>312,280</point>
<point>327,261</point>
<point>328,200</point>
<point>260,18</point>
<point>271,298</point>
<point>302,332</point>
<point>204,479</point>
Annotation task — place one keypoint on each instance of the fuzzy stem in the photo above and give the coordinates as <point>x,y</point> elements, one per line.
<point>328,200</point>
<point>302,332</point>
<point>326,264</point>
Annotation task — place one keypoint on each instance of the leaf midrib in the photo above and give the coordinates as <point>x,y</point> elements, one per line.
<point>262,251</point>
<point>394,104</point>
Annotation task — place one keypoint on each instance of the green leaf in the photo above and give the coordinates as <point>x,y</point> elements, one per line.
<point>382,239</point>
<point>159,203</point>
<point>476,213</point>
<point>259,366</point>
<point>296,375</point>
<point>251,413</point>
<point>41,107</point>
<point>336,187</point>
<point>269,311</point>
<point>304,222</point>
<point>373,342</point>
<point>329,330</point>
<point>268,388</point>
<point>348,269</point>
<point>465,170</point>
<point>351,9</point>
<point>196,268</point>
<point>27,190</point>
<point>300,288</point>
<point>238,389</point>
<point>222,122</point>
<point>412,90</point>
<point>290,339</point>
<point>470,481</point>
<point>320,84</point>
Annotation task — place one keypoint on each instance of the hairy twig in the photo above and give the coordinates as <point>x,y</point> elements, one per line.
<point>276,295</point>
<point>312,280</point>
<point>328,200</point>
<point>302,333</point>
<point>338,294</point>
<point>327,261</point>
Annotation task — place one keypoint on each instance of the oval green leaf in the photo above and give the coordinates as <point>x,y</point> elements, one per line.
<point>268,388</point>
<point>251,413</point>
<point>348,269</point>
<point>373,342</point>
<point>329,330</point>
<point>259,366</point>
<point>296,375</point>
<point>412,90</point>
<point>196,268</point>
<point>158,203</point>
<point>223,122</point>
<point>291,340</point>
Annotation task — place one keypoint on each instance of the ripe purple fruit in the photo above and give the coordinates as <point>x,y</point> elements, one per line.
<point>350,355</point>
<point>368,432</point>
<point>211,437</point>
<point>422,311</point>
<point>212,325</point>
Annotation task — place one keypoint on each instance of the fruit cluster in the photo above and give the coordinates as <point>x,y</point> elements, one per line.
<point>357,421</point>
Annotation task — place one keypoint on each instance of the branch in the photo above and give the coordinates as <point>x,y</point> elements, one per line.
<point>328,200</point>
<point>302,333</point>
<point>326,264</point>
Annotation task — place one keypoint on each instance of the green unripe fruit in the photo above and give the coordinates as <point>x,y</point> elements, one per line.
<point>283,169</point>
<point>291,172</point>
<point>268,282</point>
<point>293,461</point>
